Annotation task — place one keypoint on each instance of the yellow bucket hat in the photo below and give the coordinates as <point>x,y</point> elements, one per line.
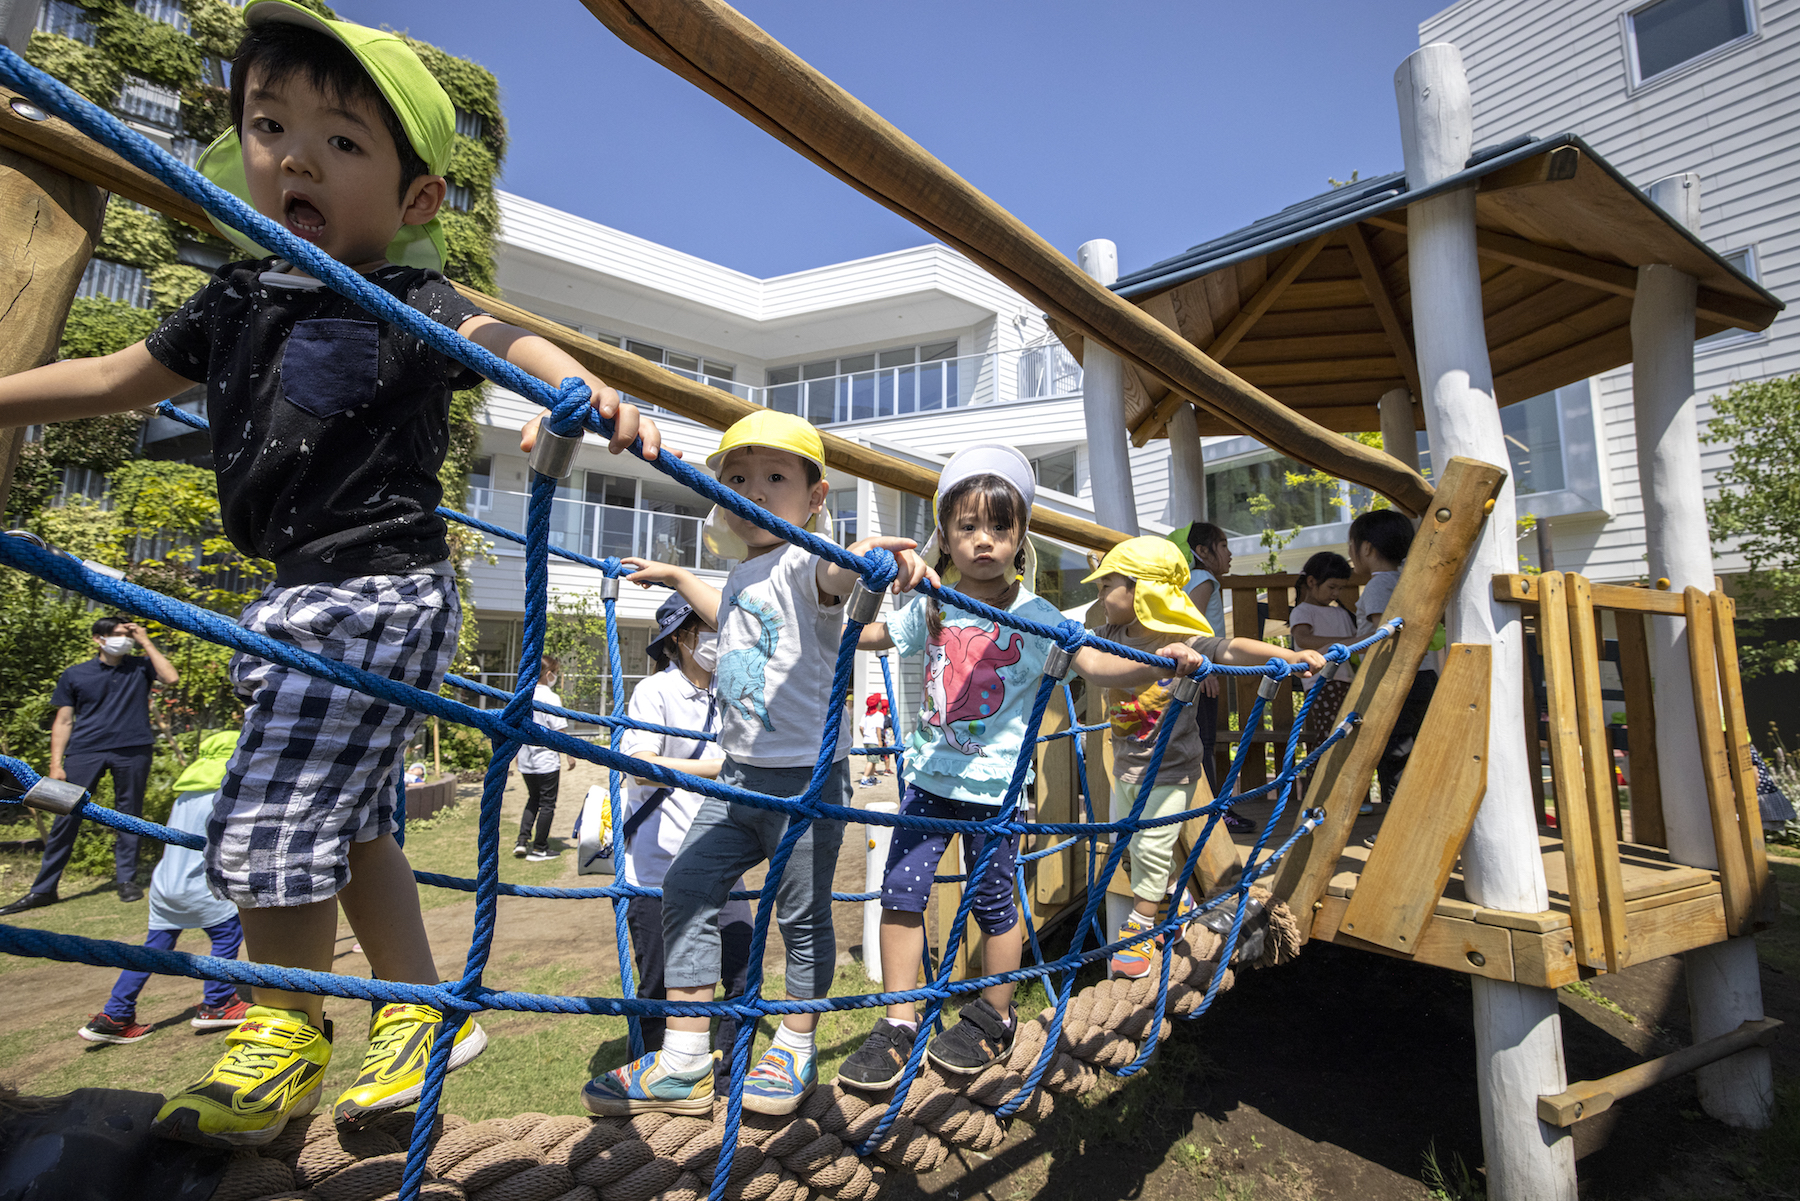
<point>418,99</point>
<point>1161,571</point>
<point>778,431</point>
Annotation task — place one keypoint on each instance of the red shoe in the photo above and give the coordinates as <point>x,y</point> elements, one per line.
<point>104,1029</point>
<point>218,1017</point>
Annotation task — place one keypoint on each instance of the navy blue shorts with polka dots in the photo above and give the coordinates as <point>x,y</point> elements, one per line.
<point>913,858</point>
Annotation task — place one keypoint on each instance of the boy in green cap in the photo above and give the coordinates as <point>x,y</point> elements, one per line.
<point>328,431</point>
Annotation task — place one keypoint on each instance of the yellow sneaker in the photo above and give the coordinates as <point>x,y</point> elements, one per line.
<point>271,1071</point>
<point>393,1068</point>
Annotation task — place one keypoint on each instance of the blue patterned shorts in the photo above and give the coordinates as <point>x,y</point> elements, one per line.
<point>913,857</point>
<point>316,764</point>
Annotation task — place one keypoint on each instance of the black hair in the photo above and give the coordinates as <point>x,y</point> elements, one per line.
<point>661,651</point>
<point>280,50</point>
<point>1203,534</point>
<point>1326,565</point>
<point>106,625</point>
<point>1386,530</point>
<point>991,497</point>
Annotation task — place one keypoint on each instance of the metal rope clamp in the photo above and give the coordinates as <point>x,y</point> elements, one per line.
<point>864,606</point>
<point>553,454</point>
<point>609,588</point>
<point>1269,687</point>
<point>1187,689</point>
<point>1056,663</point>
<point>54,796</point>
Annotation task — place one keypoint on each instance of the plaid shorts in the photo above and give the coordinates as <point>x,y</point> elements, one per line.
<point>316,764</point>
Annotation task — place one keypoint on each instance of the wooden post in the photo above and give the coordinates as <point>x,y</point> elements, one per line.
<point>1572,821</point>
<point>1737,745</point>
<point>1724,987</point>
<point>437,758</point>
<point>1640,726</point>
<point>1399,435</point>
<point>1518,1031</point>
<point>1103,404</point>
<point>1187,468</point>
<point>49,223</point>
<point>1595,788</point>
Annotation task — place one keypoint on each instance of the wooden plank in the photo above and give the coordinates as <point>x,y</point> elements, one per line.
<point>1679,897</point>
<point>1439,551</point>
<point>1721,797</point>
<point>1534,746</point>
<point>1521,589</point>
<point>1671,929</point>
<point>1551,167</point>
<point>1640,723</point>
<point>1585,1098</point>
<point>1448,942</point>
<point>1297,261</point>
<point>1737,745</point>
<point>1422,835</point>
<point>1596,757</point>
<point>1247,623</point>
<point>1373,284</point>
<point>1537,923</point>
<point>1572,820</point>
<point>1544,959</point>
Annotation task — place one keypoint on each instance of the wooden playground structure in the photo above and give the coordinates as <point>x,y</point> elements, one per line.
<point>1544,265</point>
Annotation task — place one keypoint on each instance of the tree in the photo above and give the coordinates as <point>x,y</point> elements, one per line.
<point>1759,508</point>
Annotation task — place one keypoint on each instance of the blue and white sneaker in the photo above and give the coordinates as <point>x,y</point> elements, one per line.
<point>780,1081</point>
<point>645,1086</point>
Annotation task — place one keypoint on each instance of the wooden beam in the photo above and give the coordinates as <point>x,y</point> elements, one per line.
<point>1440,549</point>
<point>1423,833</point>
<point>1298,260</point>
<point>1640,723</point>
<point>1553,166</point>
<point>1585,1098</point>
<point>1520,589</point>
<point>1721,797</point>
<point>1572,820</point>
<point>717,408</point>
<point>1737,748</point>
<point>1710,304</point>
<point>1376,287</point>
<point>1597,772</point>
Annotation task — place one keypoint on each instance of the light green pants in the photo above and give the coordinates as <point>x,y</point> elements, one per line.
<point>1153,849</point>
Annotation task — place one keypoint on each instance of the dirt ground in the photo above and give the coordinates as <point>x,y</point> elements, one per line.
<point>1333,1077</point>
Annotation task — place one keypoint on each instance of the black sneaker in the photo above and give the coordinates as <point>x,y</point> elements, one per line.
<point>881,1060</point>
<point>129,891</point>
<point>519,850</point>
<point>1236,823</point>
<point>981,1038</point>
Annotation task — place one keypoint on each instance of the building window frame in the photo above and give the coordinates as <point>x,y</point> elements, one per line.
<point>1744,258</point>
<point>1636,81</point>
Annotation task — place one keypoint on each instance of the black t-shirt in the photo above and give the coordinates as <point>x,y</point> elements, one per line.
<point>328,426</point>
<point>112,704</point>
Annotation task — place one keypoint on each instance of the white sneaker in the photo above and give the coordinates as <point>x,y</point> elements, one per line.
<point>541,856</point>
<point>519,850</point>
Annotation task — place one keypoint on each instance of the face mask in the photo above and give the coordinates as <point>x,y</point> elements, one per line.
<point>118,644</point>
<point>706,651</point>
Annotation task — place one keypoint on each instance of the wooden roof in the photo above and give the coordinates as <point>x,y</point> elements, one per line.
<point>1313,305</point>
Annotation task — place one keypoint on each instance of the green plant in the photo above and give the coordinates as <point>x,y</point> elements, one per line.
<point>1759,506</point>
<point>98,326</point>
<point>135,236</point>
<point>87,69</point>
<point>1453,1181</point>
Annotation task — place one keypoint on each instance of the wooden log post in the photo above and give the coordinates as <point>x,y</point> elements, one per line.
<point>1187,468</point>
<point>1518,1032</point>
<point>1399,435</point>
<point>1724,988</point>
<point>49,222</point>
<point>1103,404</point>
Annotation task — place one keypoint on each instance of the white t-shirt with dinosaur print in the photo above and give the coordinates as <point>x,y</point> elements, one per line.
<point>777,652</point>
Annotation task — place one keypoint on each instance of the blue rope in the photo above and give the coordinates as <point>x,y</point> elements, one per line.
<point>514,726</point>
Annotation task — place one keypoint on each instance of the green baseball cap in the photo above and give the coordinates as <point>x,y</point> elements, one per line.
<point>420,102</point>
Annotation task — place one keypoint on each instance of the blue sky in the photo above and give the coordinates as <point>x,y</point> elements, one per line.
<point>1157,125</point>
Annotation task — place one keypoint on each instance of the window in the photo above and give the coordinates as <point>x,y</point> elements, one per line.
<point>1745,261</point>
<point>61,17</point>
<point>1670,33</point>
<point>1059,577</point>
<point>114,281</point>
<point>915,518</point>
<point>457,196</point>
<point>150,102</point>
<point>1533,433</point>
<point>1236,490</point>
<point>888,383</point>
<point>706,371</point>
<point>1056,472</point>
<point>468,124</point>
<point>169,12</point>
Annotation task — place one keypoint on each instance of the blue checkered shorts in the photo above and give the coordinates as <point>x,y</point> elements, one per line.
<point>316,764</point>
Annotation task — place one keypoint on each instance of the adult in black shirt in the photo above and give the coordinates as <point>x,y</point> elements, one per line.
<point>102,725</point>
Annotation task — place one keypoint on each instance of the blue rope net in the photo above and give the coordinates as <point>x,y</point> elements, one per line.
<point>513,726</point>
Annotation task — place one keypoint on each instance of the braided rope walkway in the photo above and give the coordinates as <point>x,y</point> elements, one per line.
<point>1113,1026</point>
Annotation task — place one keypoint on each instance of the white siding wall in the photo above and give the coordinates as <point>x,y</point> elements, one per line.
<point>1735,119</point>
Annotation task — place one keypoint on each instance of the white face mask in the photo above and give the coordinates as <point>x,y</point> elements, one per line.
<point>706,651</point>
<point>118,644</point>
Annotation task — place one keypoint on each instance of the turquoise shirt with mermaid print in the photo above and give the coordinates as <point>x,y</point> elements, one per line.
<point>980,680</point>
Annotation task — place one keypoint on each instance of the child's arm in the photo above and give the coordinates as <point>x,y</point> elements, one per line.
<point>875,637</point>
<point>115,383</point>
<point>696,591</point>
<point>1105,670</point>
<point>550,363</point>
<point>706,769</point>
<point>1249,652</point>
<point>837,581</point>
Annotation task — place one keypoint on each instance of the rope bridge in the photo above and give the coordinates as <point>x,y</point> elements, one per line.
<point>1115,1025</point>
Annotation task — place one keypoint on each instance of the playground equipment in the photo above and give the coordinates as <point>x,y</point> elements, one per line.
<point>1483,808</point>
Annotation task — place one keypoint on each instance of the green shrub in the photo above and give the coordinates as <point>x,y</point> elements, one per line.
<point>98,326</point>
<point>174,284</point>
<point>136,237</point>
<point>85,68</point>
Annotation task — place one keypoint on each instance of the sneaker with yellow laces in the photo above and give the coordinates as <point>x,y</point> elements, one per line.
<point>1135,959</point>
<point>272,1070</point>
<point>393,1068</point>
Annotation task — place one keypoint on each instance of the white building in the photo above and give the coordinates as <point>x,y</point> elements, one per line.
<point>917,353</point>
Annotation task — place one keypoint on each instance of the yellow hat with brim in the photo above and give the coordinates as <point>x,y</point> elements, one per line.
<point>416,96</point>
<point>777,431</point>
<point>1159,600</point>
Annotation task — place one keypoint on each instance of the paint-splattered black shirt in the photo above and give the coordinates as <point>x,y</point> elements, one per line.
<point>328,426</point>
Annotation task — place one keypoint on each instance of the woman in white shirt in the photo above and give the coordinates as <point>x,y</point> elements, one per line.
<point>678,694</point>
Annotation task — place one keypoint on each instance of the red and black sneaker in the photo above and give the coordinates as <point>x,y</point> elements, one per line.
<point>104,1029</point>
<point>981,1038</point>
<point>221,1017</point>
